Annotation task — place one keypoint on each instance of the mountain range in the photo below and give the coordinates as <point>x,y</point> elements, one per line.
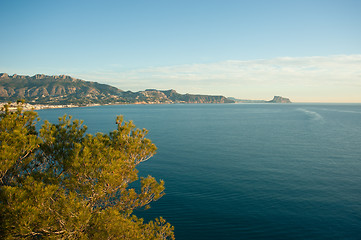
<point>64,90</point>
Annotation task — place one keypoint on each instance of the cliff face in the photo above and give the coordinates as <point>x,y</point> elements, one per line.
<point>64,89</point>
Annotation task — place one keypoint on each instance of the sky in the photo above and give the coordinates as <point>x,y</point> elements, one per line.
<point>307,50</point>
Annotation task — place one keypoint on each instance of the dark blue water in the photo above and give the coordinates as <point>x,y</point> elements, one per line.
<point>249,171</point>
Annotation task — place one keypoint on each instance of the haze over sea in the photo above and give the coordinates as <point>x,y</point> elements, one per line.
<point>248,171</point>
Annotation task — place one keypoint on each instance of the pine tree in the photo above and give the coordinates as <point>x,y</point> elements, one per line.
<point>61,183</point>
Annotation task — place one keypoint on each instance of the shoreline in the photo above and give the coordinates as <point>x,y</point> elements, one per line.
<point>28,106</point>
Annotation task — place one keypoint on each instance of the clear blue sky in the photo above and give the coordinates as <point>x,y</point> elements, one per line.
<point>308,50</point>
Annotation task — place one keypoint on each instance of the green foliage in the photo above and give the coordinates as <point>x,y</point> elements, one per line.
<point>61,183</point>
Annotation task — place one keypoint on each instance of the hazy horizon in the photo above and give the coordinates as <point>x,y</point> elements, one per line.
<point>308,51</point>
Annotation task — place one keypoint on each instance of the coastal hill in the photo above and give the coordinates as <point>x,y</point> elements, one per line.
<point>279,99</point>
<point>65,90</point>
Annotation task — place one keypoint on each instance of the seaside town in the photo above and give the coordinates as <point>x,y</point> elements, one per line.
<point>27,106</point>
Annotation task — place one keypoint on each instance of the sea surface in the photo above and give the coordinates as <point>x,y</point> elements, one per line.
<point>248,171</point>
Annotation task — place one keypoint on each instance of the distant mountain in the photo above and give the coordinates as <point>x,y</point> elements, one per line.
<point>60,90</point>
<point>276,99</point>
<point>171,96</point>
<point>279,99</point>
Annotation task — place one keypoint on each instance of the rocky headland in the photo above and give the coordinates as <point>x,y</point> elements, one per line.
<point>279,99</point>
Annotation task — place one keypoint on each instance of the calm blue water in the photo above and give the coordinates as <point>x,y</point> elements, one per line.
<point>249,171</point>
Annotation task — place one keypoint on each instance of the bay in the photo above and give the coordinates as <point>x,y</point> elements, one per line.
<point>248,171</point>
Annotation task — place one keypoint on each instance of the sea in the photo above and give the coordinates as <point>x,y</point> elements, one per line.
<point>248,171</point>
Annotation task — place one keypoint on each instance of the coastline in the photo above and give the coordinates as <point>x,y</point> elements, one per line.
<point>28,106</point>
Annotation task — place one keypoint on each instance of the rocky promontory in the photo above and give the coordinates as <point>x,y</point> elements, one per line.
<point>279,99</point>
